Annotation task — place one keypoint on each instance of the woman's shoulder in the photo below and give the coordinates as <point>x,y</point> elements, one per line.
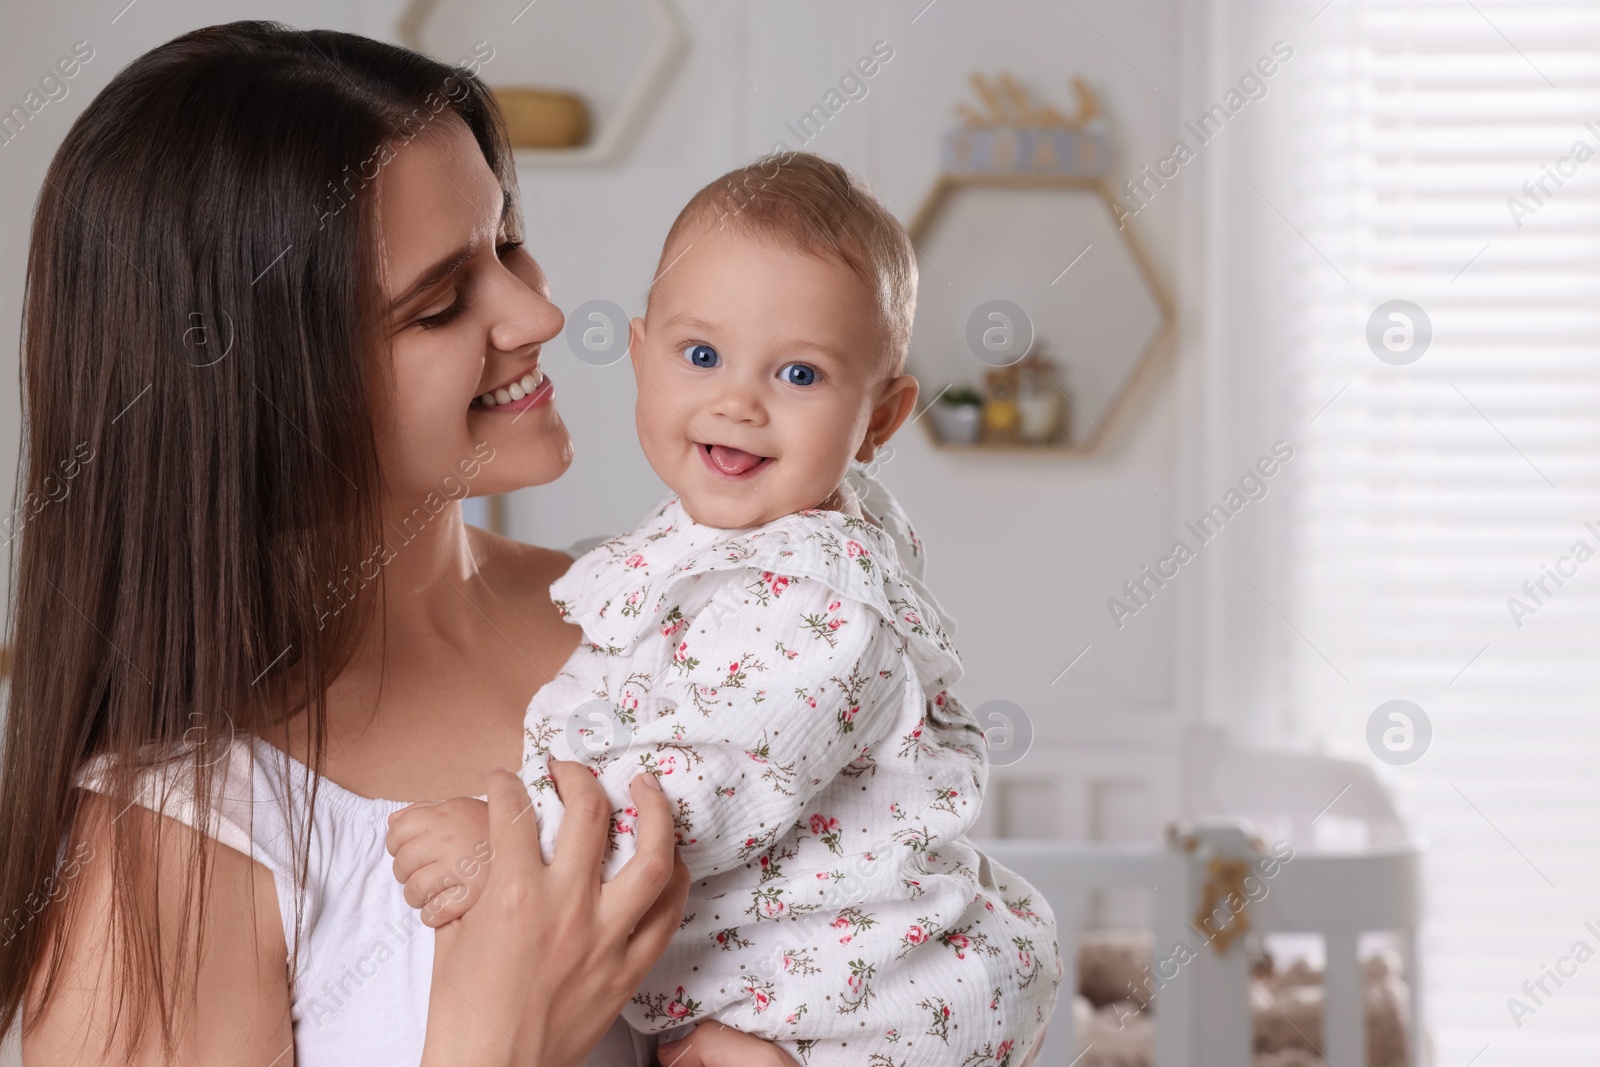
<point>516,565</point>
<point>238,981</point>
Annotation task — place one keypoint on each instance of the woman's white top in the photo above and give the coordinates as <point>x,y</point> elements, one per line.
<point>360,989</point>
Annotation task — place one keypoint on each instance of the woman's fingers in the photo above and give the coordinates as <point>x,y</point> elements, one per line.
<point>583,839</point>
<point>513,826</point>
<point>653,932</point>
<point>637,886</point>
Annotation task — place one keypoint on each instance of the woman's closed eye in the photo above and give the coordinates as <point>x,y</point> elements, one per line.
<point>459,304</point>
<point>798,374</point>
<point>447,316</point>
<point>701,355</point>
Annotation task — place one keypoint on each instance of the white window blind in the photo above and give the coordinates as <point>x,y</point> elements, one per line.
<point>1392,166</point>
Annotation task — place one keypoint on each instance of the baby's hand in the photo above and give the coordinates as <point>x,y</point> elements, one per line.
<point>441,854</point>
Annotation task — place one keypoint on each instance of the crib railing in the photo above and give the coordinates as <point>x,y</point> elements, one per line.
<point>1202,1011</point>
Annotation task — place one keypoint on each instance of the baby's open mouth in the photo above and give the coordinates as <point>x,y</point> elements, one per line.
<point>730,461</point>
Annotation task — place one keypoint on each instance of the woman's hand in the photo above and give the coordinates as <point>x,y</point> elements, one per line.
<point>715,1045</point>
<point>540,967</point>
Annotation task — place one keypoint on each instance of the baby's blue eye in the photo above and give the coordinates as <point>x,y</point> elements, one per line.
<point>702,355</point>
<point>798,374</point>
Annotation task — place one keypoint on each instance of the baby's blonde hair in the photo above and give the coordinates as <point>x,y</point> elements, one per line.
<point>821,209</point>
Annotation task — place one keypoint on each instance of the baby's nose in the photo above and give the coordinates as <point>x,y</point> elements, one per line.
<point>738,402</point>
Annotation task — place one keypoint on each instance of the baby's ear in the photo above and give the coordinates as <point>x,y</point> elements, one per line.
<point>894,406</point>
<point>635,342</point>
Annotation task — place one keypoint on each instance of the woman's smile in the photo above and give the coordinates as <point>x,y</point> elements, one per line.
<point>528,391</point>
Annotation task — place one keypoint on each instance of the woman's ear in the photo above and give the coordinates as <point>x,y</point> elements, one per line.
<point>894,406</point>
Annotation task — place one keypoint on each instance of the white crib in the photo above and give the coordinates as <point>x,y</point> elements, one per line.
<point>1354,871</point>
<point>1203,1015</point>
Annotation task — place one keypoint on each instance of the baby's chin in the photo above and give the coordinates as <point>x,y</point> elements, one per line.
<point>724,514</point>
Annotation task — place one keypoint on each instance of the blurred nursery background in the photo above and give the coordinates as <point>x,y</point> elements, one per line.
<point>1257,455</point>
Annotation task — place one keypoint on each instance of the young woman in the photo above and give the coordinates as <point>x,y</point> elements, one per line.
<point>270,271</point>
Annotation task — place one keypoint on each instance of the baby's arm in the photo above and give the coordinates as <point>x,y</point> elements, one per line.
<point>441,854</point>
<point>767,702</point>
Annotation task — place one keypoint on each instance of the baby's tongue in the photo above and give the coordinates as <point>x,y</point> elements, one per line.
<point>733,460</point>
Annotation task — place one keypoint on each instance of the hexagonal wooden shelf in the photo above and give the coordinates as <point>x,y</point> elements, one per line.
<point>1051,244</point>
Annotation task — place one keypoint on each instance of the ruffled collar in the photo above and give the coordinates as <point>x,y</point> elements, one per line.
<point>625,587</point>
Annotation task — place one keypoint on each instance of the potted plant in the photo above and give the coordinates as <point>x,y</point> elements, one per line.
<point>958,416</point>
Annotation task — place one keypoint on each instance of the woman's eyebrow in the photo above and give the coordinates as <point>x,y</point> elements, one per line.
<point>435,274</point>
<point>448,265</point>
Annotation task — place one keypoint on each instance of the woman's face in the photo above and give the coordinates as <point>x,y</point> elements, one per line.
<point>467,410</point>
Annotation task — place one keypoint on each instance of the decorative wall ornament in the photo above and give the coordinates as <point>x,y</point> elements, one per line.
<point>1019,239</point>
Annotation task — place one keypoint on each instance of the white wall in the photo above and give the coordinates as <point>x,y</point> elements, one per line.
<point>1025,550</point>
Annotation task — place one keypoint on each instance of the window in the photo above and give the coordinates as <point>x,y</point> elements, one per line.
<point>1438,538</point>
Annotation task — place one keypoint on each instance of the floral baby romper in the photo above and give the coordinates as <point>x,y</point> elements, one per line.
<point>788,686</point>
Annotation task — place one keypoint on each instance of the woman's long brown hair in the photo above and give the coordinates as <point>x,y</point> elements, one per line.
<point>202,345</point>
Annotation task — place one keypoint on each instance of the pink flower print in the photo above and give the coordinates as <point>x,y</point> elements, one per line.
<point>939,698</point>
<point>677,1009</point>
<point>777,583</point>
<point>682,653</point>
<point>912,618</point>
<point>835,605</point>
<point>849,714</point>
<point>855,550</point>
<point>994,1005</point>
<point>622,825</point>
<point>811,701</point>
<point>960,943</point>
<point>821,824</point>
<point>759,999</point>
<point>791,1020</point>
<point>841,923</point>
<point>916,935</point>
<point>750,842</point>
<point>1025,958</point>
<point>945,1010</point>
<point>636,560</point>
<point>834,624</point>
<point>854,982</point>
<point>1004,1050</point>
<point>765,862</point>
<point>894,809</point>
<point>666,765</point>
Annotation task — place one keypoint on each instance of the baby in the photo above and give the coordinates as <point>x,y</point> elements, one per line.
<point>763,644</point>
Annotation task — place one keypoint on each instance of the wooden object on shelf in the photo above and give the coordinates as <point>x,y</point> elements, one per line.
<point>544,118</point>
<point>550,133</point>
<point>1014,135</point>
